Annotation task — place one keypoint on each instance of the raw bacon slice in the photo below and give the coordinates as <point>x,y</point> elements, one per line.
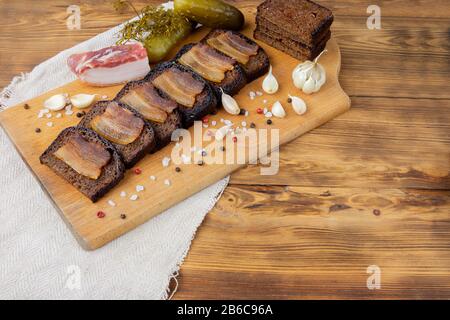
<point>118,125</point>
<point>179,85</point>
<point>148,109</point>
<point>111,65</point>
<point>86,158</point>
<point>207,62</point>
<point>234,46</point>
<point>153,98</point>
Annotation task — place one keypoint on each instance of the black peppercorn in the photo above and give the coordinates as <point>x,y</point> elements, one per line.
<point>123,216</point>
<point>201,163</point>
<point>26,106</point>
<point>289,100</point>
<point>81,114</point>
<point>242,112</point>
<point>269,122</point>
<point>222,148</point>
<point>178,169</point>
<point>252,125</point>
<point>37,130</point>
<point>204,154</point>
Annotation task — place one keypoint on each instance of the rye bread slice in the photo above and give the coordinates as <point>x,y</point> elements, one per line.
<point>257,65</point>
<point>234,81</point>
<point>111,174</point>
<point>289,47</point>
<point>130,153</point>
<point>206,101</point>
<point>303,20</point>
<point>163,131</point>
<point>272,30</point>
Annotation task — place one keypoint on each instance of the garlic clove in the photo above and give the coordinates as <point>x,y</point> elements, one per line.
<point>309,86</point>
<point>230,104</point>
<point>270,84</point>
<point>298,105</point>
<point>278,110</point>
<point>323,75</point>
<point>82,100</point>
<point>299,78</point>
<point>56,102</point>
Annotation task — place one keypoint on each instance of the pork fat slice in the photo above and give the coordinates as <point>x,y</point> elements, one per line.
<point>111,65</point>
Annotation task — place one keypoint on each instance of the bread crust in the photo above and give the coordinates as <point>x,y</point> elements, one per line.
<point>206,101</point>
<point>257,65</point>
<point>111,174</point>
<point>133,152</point>
<point>286,15</point>
<point>234,81</point>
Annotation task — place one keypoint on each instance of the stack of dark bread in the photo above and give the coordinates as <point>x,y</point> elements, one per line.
<point>300,28</point>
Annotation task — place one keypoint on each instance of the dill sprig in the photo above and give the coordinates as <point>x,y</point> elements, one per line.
<point>152,22</point>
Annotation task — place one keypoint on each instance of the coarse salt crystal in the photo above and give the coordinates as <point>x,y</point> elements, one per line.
<point>244,124</point>
<point>205,126</point>
<point>153,178</point>
<point>111,203</point>
<point>123,194</point>
<point>134,197</point>
<point>49,124</point>
<point>48,115</point>
<point>167,182</point>
<point>58,115</point>
<point>265,110</point>
<point>104,97</point>
<point>228,122</point>
<point>264,101</point>
<point>213,123</point>
<point>69,112</point>
<point>246,113</point>
<point>259,93</point>
<point>139,188</point>
<point>269,114</point>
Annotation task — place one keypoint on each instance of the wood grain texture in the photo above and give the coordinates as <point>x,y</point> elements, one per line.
<point>310,243</point>
<point>384,71</point>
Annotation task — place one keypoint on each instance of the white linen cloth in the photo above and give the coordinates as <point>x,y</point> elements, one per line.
<point>39,257</point>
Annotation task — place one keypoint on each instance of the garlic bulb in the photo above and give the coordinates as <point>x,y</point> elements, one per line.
<point>278,110</point>
<point>82,100</point>
<point>270,83</point>
<point>56,102</point>
<point>230,104</point>
<point>298,105</point>
<point>310,76</point>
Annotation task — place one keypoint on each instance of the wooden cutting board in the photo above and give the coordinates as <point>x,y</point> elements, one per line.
<point>81,215</point>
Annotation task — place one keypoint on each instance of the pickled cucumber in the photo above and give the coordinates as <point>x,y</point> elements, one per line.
<point>211,13</point>
<point>158,46</point>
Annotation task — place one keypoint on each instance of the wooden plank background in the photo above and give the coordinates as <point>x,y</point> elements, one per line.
<point>369,188</point>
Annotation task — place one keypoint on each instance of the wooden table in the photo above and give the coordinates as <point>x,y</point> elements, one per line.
<point>369,188</point>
